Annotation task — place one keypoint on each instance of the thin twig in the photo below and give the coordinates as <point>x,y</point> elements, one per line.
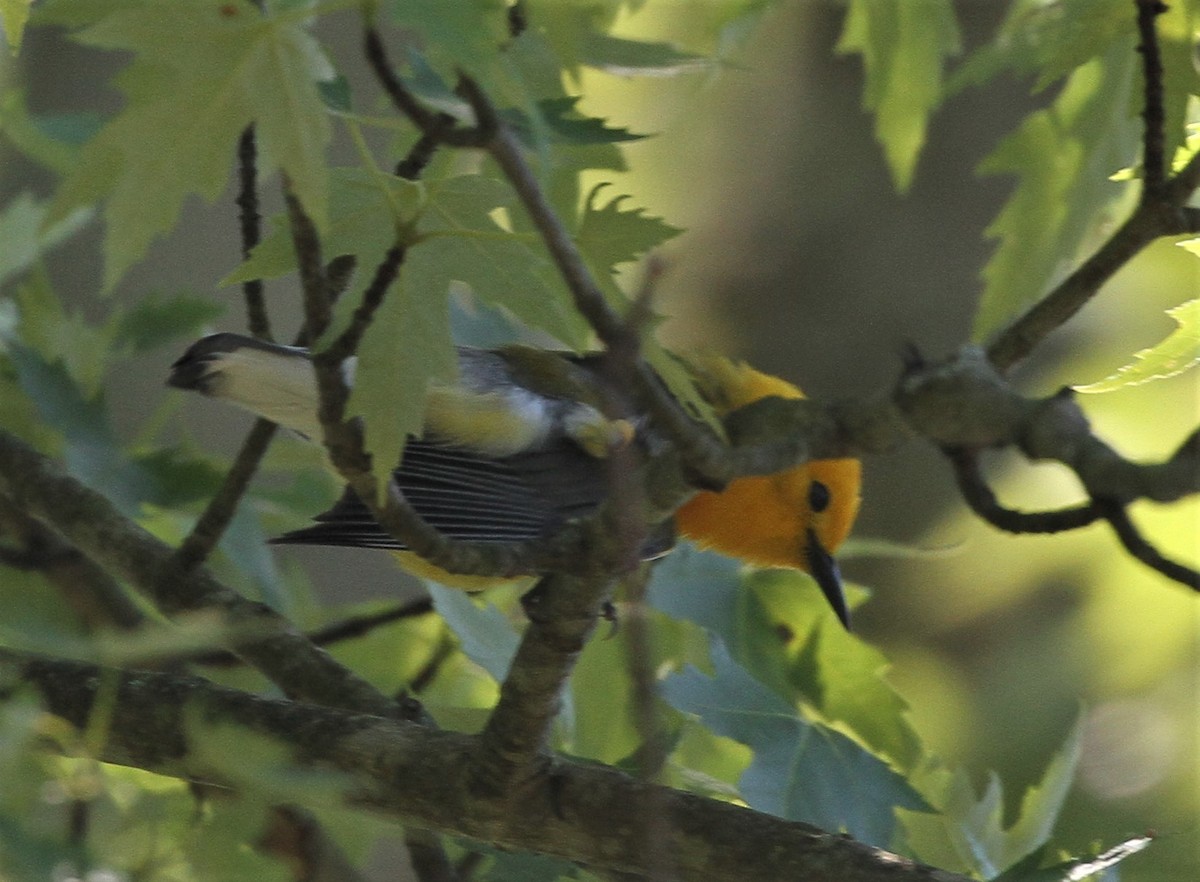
<point>1140,548</point>
<point>89,521</point>
<point>1153,115</point>
<point>512,747</point>
<point>978,495</point>
<point>347,342</point>
<point>251,227</point>
<point>217,515</point>
<point>296,839</point>
<point>430,122</point>
<point>97,598</point>
<point>336,632</point>
<point>1160,212</point>
<point>317,306</point>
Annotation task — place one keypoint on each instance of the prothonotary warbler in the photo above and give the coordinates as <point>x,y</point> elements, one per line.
<point>498,461</point>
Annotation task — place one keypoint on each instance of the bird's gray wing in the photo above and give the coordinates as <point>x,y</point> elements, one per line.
<point>466,496</point>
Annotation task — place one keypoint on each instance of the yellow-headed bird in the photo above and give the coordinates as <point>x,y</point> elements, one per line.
<point>500,462</point>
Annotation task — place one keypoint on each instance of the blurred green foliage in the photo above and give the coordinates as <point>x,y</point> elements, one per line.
<point>1058,662</point>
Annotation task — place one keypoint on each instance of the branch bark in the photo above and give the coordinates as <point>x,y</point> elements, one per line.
<point>408,773</point>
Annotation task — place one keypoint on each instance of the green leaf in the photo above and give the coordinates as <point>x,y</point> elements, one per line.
<point>843,676</point>
<point>624,57</point>
<point>52,141</point>
<point>801,771</point>
<point>1048,40</point>
<point>366,210</point>
<point>260,764</point>
<point>1176,353</point>
<point>610,235</point>
<point>974,824</point>
<point>567,125</point>
<point>407,346</point>
<point>202,72</point>
<point>697,586</point>
<point>903,46</point>
<point>157,319</point>
<point>466,34</point>
<point>1063,157</point>
<point>506,269</point>
<point>1080,868</point>
<point>13,15</point>
<point>486,635</point>
<point>24,238</point>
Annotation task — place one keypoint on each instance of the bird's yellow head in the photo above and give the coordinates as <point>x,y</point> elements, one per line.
<point>796,518</point>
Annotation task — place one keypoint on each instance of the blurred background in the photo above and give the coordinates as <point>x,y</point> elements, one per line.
<point>802,259</point>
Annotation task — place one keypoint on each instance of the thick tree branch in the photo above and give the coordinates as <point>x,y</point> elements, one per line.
<point>586,813</point>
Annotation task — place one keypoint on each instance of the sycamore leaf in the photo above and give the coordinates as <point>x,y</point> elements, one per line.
<point>903,46</point>
<point>202,71</point>
<point>24,239</point>
<point>1063,156</point>
<point>624,57</point>
<point>841,675</point>
<point>13,16</point>
<point>155,320</point>
<point>365,211</point>
<point>53,140</point>
<point>1176,353</point>
<point>1050,40</point>
<point>565,124</point>
<point>506,269</point>
<point>610,235</point>
<point>1046,39</point>
<point>406,346</point>
<point>975,824</point>
<point>466,34</point>
<point>801,770</point>
<point>486,635</point>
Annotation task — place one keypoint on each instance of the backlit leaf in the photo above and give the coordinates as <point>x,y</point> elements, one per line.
<point>903,46</point>
<point>1176,353</point>
<point>1063,157</point>
<point>202,71</point>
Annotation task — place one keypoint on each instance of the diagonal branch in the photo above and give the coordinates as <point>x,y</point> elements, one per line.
<point>90,522</point>
<point>1137,545</point>
<point>1160,212</point>
<point>1154,165</point>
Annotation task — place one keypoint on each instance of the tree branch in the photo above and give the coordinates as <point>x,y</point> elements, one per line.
<point>586,813</point>
<point>261,636</point>
<point>513,745</point>
<point>978,495</point>
<point>250,222</point>
<point>1142,550</point>
<point>1160,212</point>
<point>1154,165</point>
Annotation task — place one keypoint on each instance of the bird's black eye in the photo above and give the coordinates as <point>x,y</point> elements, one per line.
<point>818,496</point>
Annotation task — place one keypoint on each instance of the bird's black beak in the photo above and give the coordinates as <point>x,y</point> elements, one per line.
<point>824,569</point>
